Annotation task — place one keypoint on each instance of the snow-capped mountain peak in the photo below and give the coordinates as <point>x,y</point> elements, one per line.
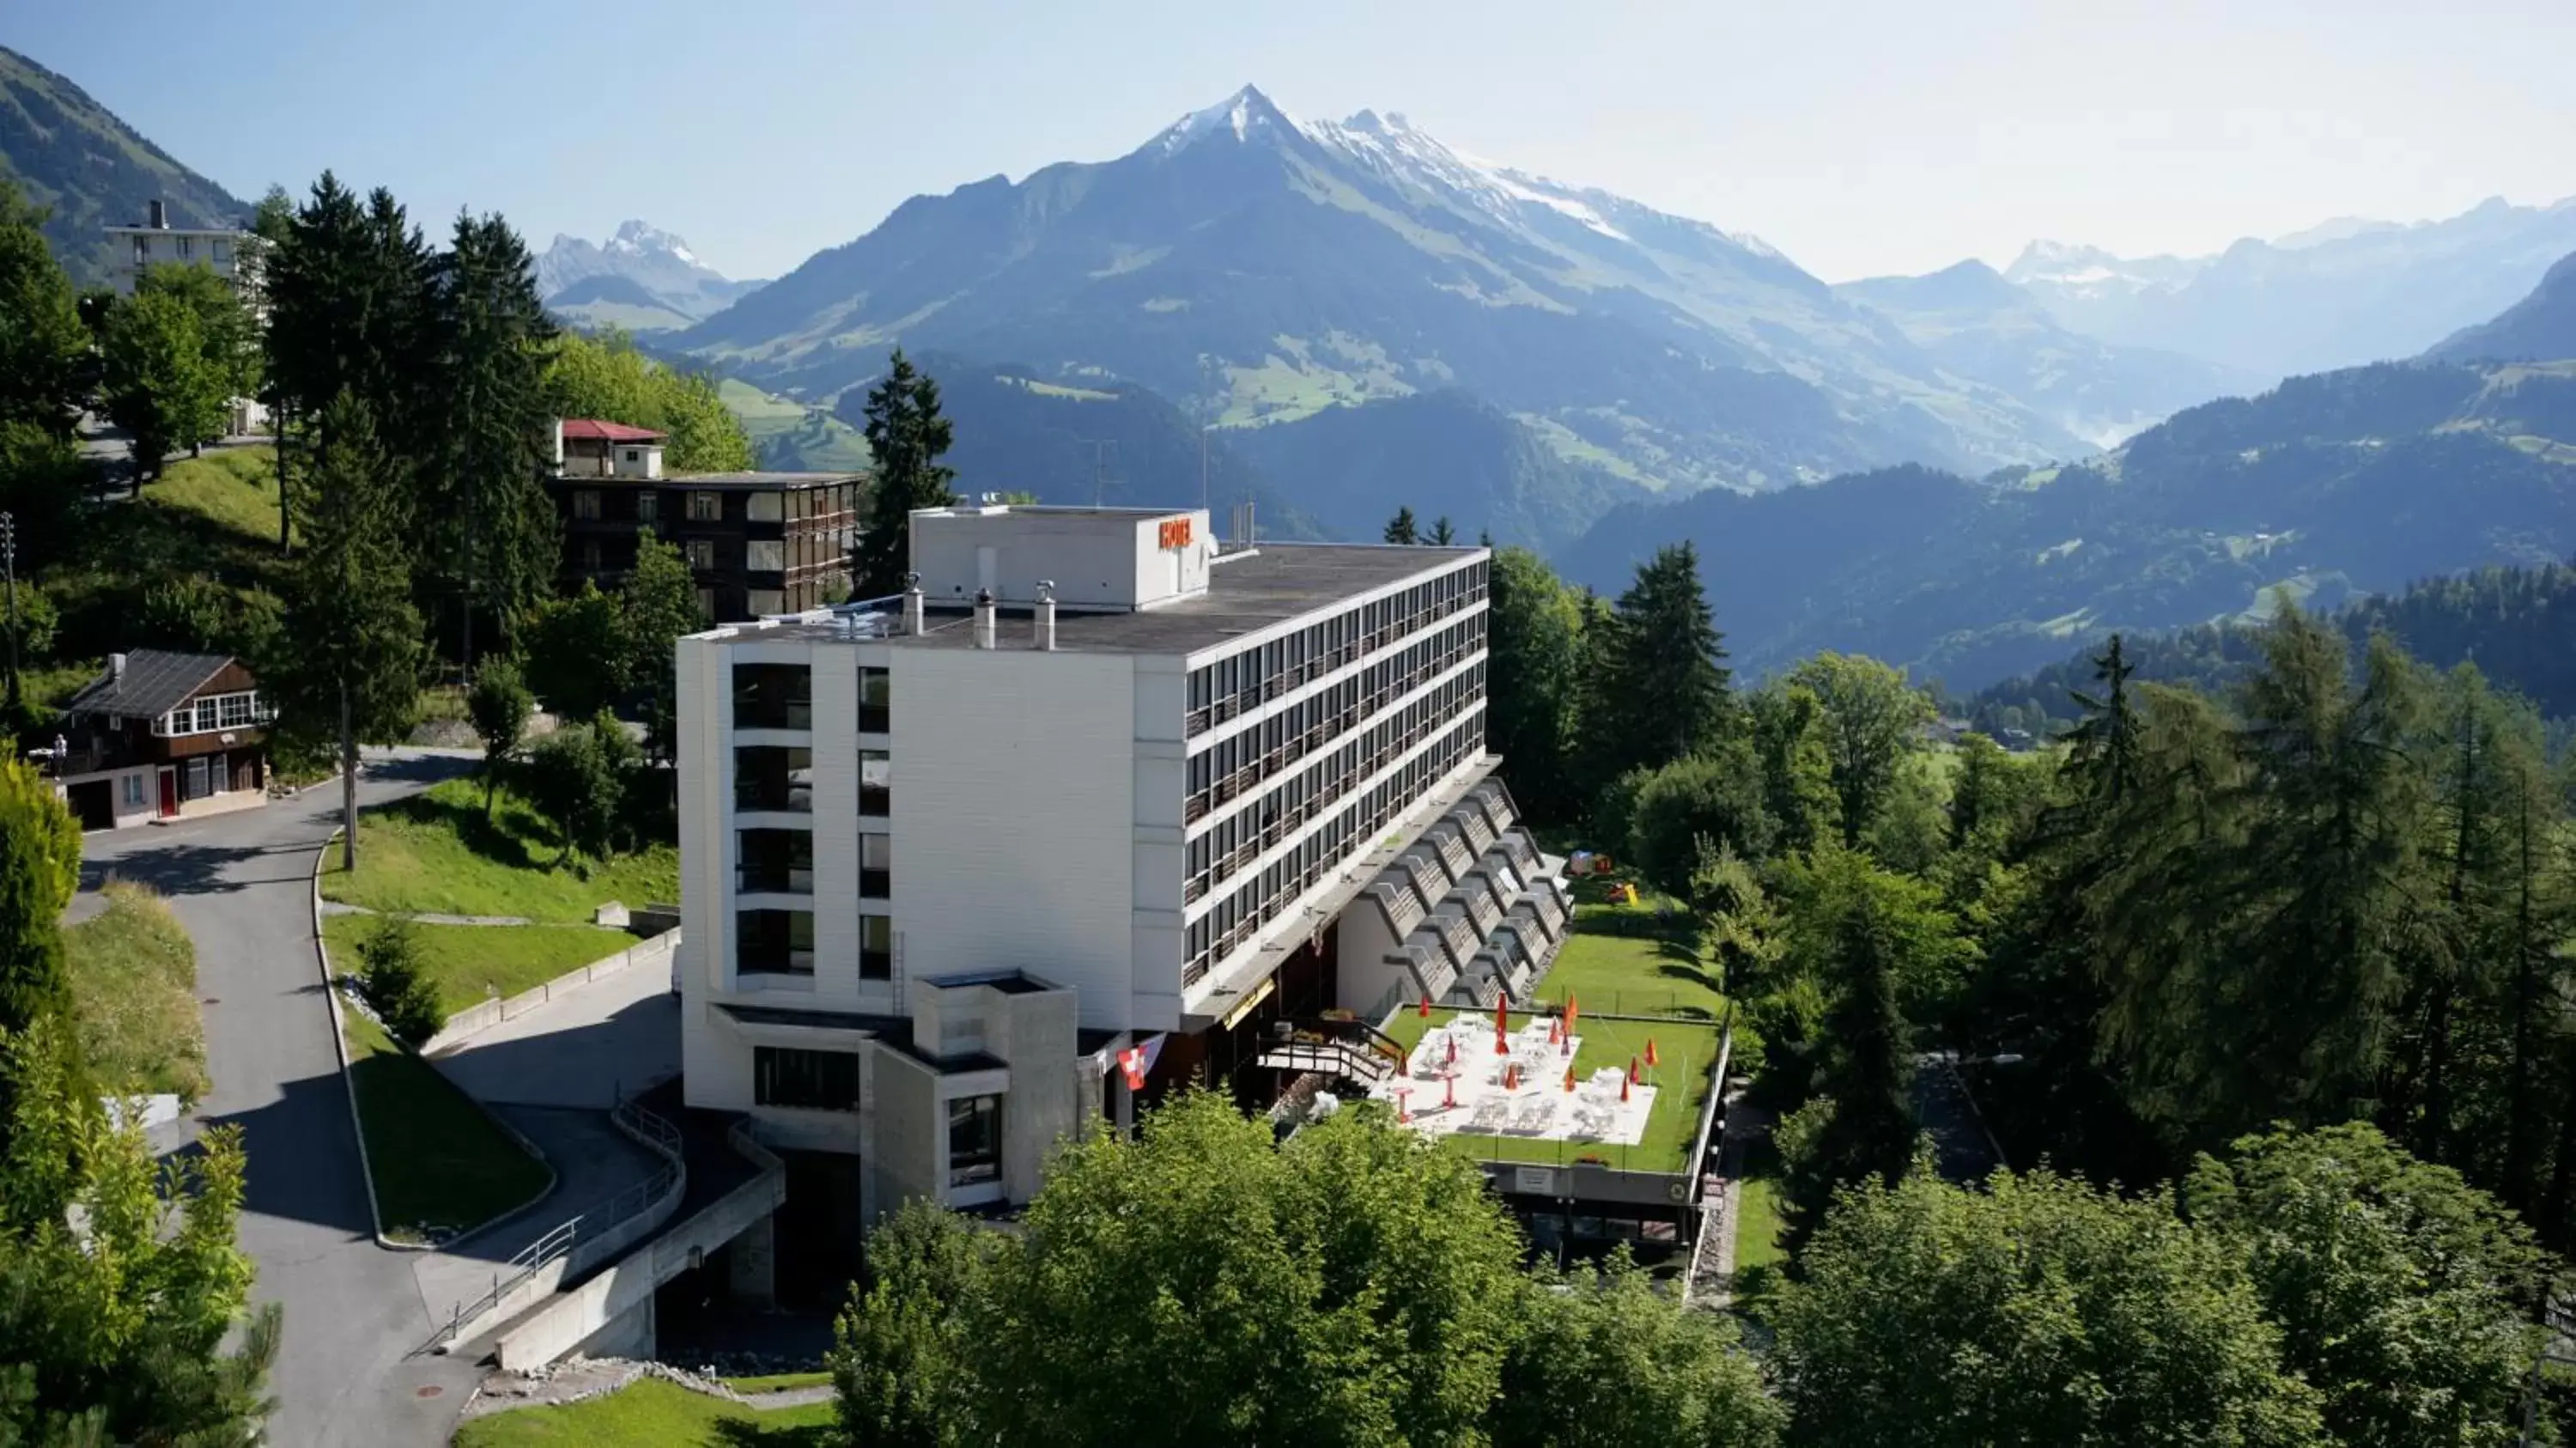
<point>637,239</point>
<point>1243,115</point>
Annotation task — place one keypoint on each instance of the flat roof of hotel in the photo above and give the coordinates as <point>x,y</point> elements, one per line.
<point>1247,592</point>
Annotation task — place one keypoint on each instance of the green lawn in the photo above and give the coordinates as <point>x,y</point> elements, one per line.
<point>436,854</point>
<point>438,1161</point>
<point>1687,1052</point>
<point>134,985</point>
<point>472,963</point>
<point>1632,975</point>
<point>779,1382</point>
<point>235,489</point>
<point>1759,1259</point>
<point>652,1413</point>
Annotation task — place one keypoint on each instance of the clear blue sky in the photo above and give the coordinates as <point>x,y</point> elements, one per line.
<point>1860,136</point>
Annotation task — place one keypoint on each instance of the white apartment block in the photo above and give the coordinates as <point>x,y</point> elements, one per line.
<point>1092,787</point>
<point>230,252</point>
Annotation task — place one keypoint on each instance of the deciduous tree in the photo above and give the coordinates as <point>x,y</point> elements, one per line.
<point>499,704</point>
<point>42,342</point>
<point>1868,716</point>
<point>159,384</point>
<point>1603,1360</point>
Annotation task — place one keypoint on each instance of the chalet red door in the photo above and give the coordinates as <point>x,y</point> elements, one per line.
<point>169,793</point>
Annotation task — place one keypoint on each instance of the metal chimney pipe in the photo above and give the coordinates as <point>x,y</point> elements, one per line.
<point>983,618</point>
<point>1046,615</point>
<point>913,608</point>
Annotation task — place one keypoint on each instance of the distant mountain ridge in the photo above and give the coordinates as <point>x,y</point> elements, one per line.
<point>2355,481</point>
<point>2340,294</point>
<point>67,152</point>
<point>1263,268</point>
<point>665,286</point>
<point>2539,328</point>
<point>1984,327</point>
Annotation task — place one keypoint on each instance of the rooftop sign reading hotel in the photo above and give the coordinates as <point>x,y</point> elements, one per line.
<point>1174,533</point>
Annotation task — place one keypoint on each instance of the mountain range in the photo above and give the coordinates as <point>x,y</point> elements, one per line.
<point>2328,486</point>
<point>66,152</point>
<point>641,279</point>
<point>1264,269</point>
<point>2539,327</point>
<point>2341,294</point>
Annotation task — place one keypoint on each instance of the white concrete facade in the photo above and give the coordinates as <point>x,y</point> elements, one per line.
<point>923,813</point>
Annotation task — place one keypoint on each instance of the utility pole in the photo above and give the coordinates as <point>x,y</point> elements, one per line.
<point>9,561</point>
<point>1101,448</point>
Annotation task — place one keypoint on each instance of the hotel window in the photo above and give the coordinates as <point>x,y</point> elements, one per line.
<point>974,1140</point>
<point>585,503</point>
<point>187,247</point>
<point>773,696</point>
<point>876,867</point>
<point>876,782</point>
<point>221,249</point>
<point>765,555</point>
<point>590,555</point>
<point>701,551</point>
<point>706,507</point>
<point>876,947</point>
<point>874,697</point>
<point>813,1080</point>
<point>706,603</point>
<point>774,942</point>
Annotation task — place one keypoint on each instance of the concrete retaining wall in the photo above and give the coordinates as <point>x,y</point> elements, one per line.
<point>606,1307</point>
<point>472,1021</point>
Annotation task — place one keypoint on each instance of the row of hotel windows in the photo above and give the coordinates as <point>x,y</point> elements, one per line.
<point>701,505</point>
<point>781,777</point>
<point>829,1081</point>
<point>781,696</point>
<point>1232,843</point>
<point>1234,921</point>
<point>1238,764</point>
<point>781,942</point>
<point>781,862</point>
<point>759,555</point>
<point>1221,690</point>
<point>213,712</point>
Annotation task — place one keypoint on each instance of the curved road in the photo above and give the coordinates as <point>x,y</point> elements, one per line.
<point>242,885</point>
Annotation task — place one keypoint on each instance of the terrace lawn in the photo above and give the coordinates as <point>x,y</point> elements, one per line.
<point>472,963</point>
<point>437,854</point>
<point>651,1413</point>
<point>1687,1050</point>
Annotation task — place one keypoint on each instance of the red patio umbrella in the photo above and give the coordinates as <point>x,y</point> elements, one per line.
<point>1426,1005</point>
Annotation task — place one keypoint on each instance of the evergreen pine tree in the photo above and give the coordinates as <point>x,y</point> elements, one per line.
<point>906,435</point>
<point>1401,529</point>
<point>496,537</point>
<point>1663,692</point>
<point>1442,535</point>
<point>352,672</point>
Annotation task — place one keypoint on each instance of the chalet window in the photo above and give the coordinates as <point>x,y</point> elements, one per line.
<point>706,507</point>
<point>235,711</point>
<point>134,792</point>
<point>816,1080</point>
<point>585,503</point>
<point>631,454</point>
<point>702,551</point>
<point>209,716</point>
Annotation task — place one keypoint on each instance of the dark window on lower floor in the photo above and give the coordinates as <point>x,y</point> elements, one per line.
<point>974,1140</point>
<point>876,947</point>
<point>818,1080</point>
<point>774,942</point>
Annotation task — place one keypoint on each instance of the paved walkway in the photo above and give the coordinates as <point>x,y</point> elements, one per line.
<point>335,907</point>
<point>241,884</point>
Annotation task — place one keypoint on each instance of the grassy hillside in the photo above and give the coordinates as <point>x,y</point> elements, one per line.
<point>67,152</point>
<point>792,437</point>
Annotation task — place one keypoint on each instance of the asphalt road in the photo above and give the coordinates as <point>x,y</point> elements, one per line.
<point>242,885</point>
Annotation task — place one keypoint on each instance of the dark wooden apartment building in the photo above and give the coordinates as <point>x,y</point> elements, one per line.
<point>758,543</point>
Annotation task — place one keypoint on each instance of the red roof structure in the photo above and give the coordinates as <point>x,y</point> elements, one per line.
<point>590,429</point>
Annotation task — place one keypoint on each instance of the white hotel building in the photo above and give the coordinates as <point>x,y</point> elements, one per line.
<point>942,861</point>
